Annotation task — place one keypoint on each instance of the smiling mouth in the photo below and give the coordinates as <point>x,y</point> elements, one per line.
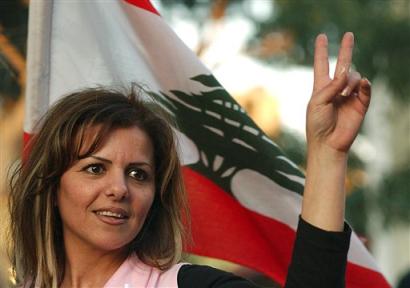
<point>114,213</point>
<point>111,214</point>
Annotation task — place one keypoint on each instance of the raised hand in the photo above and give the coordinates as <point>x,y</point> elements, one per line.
<point>338,106</point>
<point>334,115</point>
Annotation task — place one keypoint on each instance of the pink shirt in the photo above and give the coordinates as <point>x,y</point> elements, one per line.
<point>133,273</point>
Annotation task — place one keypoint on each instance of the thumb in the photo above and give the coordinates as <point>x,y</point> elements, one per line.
<point>332,90</point>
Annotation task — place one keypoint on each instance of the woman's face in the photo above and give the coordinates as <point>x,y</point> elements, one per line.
<point>104,199</point>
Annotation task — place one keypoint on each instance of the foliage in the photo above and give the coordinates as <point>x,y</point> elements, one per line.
<point>357,210</point>
<point>9,86</point>
<point>13,21</point>
<point>381,29</point>
<point>13,25</point>
<point>394,197</point>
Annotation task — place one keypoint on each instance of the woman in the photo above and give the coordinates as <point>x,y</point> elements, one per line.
<point>89,211</point>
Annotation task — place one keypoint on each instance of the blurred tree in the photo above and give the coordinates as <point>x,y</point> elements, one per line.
<point>13,36</point>
<point>394,199</point>
<point>381,28</point>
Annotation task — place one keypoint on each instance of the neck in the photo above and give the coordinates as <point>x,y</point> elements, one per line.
<point>90,267</point>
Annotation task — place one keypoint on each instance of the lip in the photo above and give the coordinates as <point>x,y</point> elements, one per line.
<point>111,220</point>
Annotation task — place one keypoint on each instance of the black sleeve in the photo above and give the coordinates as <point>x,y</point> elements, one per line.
<point>199,276</point>
<point>319,260</point>
<point>319,257</point>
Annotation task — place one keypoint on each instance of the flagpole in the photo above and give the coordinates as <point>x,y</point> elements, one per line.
<point>38,61</point>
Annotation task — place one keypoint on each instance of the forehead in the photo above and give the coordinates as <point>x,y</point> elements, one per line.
<point>130,143</point>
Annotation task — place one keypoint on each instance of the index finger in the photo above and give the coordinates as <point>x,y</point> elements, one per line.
<point>321,62</point>
<point>344,59</point>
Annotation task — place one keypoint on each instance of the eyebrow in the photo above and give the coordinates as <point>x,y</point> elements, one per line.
<point>110,162</point>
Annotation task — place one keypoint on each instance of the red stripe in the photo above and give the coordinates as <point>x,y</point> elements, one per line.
<point>26,138</point>
<point>143,4</point>
<point>224,229</point>
<point>26,146</point>
<point>360,277</point>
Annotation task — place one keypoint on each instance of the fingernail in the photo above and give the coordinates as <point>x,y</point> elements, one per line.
<point>342,71</point>
<point>368,81</point>
<point>345,92</point>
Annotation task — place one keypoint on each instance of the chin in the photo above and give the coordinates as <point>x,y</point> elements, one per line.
<point>113,242</point>
<point>113,245</point>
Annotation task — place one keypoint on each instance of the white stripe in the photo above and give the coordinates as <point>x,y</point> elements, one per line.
<point>232,122</point>
<point>267,197</point>
<point>228,172</point>
<point>204,159</point>
<point>217,162</point>
<point>358,254</point>
<point>187,150</point>
<point>184,103</point>
<point>213,114</point>
<point>243,143</point>
<point>267,139</point>
<point>215,130</point>
<point>283,158</point>
<point>250,130</point>
<point>294,178</point>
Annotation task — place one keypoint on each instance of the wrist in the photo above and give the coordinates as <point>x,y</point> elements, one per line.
<point>324,195</point>
<point>325,153</point>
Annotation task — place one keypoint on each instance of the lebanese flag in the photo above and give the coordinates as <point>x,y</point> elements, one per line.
<point>245,195</point>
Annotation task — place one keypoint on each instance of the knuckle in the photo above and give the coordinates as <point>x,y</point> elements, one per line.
<point>339,80</point>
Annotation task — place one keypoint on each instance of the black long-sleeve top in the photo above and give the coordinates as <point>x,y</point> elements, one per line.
<point>319,260</point>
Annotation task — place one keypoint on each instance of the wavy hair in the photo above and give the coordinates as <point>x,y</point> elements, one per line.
<point>36,240</point>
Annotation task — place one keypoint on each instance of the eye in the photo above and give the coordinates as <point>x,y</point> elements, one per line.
<point>138,174</point>
<point>96,169</point>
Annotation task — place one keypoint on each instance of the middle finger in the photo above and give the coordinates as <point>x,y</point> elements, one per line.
<point>345,54</point>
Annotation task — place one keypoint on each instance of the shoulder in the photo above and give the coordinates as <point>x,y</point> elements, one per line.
<point>134,273</point>
<point>199,276</point>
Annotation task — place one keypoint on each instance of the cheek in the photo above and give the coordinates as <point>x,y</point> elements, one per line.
<point>74,195</point>
<point>142,203</point>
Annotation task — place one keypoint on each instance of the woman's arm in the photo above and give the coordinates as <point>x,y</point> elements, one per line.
<point>334,115</point>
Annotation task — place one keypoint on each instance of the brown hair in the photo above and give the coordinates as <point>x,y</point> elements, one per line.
<point>37,250</point>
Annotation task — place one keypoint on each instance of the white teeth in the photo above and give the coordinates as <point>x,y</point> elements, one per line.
<point>110,214</point>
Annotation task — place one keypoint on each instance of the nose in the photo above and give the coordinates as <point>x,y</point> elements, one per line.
<point>117,188</point>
